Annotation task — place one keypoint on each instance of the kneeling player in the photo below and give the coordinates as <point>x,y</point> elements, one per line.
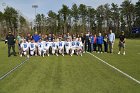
<point>68,46</point>
<point>61,47</point>
<point>73,46</point>
<point>40,48</point>
<point>79,46</point>
<point>24,48</point>
<point>47,45</point>
<point>54,48</point>
<point>32,46</point>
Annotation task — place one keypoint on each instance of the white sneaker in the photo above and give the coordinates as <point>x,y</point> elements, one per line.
<point>21,55</point>
<point>124,53</point>
<point>48,55</point>
<point>56,54</point>
<point>62,54</point>
<point>118,53</point>
<point>27,56</point>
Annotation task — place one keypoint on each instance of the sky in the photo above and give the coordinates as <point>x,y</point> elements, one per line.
<point>25,6</point>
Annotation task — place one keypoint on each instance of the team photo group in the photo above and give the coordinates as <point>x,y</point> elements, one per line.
<point>66,44</point>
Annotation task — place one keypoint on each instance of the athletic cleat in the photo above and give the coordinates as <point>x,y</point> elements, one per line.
<point>56,54</point>
<point>124,53</point>
<point>48,55</point>
<point>21,55</point>
<point>62,54</point>
<point>119,53</point>
<point>27,56</point>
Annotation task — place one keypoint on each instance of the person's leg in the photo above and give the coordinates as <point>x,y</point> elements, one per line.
<point>85,46</point>
<point>9,48</point>
<point>123,48</point>
<point>13,48</point>
<point>112,44</point>
<point>91,47</point>
<point>98,48</point>
<point>101,48</point>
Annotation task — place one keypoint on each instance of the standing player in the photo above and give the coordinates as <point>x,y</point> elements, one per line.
<point>111,39</point>
<point>61,47</point>
<point>40,47</point>
<point>68,46</point>
<point>122,43</point>
<point>24,48</point>
<point>32,47</point>
<point>47,45</point>
<point>73,46</point>
<point>79,46</point>
<point>54,47</point>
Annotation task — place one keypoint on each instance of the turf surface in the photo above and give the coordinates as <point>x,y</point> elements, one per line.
<point>72,74</point>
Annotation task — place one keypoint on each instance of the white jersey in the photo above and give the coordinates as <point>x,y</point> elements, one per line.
<point>25,46</point>
<point>61,44</point>
<point>67,44</point>
<point>40,45</point>
<point>79,44</point>
<point>47,45</point>
<point>32,46</point>
<point>54,45</point>
<point>73,44</point>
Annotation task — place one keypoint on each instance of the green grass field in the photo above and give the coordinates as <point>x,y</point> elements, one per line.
<point>74,74</point>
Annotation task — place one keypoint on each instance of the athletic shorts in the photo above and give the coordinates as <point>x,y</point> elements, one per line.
<point>121,44</point>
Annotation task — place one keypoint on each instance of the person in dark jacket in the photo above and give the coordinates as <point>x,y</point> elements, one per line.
<point>10,38</point>
<point>106,43</point>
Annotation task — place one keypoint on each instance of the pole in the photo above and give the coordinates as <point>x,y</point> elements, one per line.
<point>35,7</point>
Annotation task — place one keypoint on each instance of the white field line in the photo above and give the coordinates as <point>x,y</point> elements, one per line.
<point>130,77</point>
<point>9,72</point>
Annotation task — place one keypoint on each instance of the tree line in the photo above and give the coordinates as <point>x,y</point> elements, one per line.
<point>81,18</point>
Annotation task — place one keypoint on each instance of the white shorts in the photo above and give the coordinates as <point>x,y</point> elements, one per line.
<point>67,50</point>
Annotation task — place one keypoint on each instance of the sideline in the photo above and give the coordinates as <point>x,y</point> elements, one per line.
<point>9,72</point>
<point>130,77</point>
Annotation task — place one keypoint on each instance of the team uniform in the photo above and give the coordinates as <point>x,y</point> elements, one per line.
<point>47,46</point>
<point>61,47</point>
<point>40,48</point>
<point>24,48</point>
<point>73,47</point>
<point>54,48</point>
<point>32,47</point>
<point>67,47</point>
<point>79,46</point>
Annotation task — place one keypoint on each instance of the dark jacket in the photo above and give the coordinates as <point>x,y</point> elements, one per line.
<point>10,39</point>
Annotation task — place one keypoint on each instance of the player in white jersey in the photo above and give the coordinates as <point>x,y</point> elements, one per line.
<point>54,46</point>
<point>32,47</point>
<point>79,46</point>
<point>61,47</point>
<point>24,48</point>
<point>73,46</point>
<point>47,45</point>
<point>68,46</point>
<point>40,47</point>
